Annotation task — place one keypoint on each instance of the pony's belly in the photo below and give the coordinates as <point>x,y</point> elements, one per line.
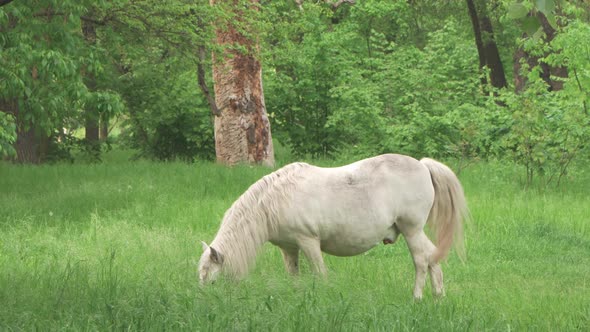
<point>345,244</point>
<point>346,249</point>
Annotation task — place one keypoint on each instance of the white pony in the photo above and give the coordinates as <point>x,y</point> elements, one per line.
<point>343,211</point>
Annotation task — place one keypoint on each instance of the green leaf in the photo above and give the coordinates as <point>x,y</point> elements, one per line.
<point>545,6</point>
<point>531,25</point>
<point>517,10</point>
<point>551,19</point>
<point>538,34</point>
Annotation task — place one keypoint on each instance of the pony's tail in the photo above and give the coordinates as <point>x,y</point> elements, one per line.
<point>448,211</point>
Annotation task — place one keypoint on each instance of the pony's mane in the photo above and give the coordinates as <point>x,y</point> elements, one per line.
<point>248,223</point>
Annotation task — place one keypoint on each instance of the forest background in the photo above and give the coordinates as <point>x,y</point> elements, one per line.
<point>466,80</point>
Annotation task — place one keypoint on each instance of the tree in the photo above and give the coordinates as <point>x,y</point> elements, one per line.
<point>22,78</point>
<point>43,58</point>
<point>242,127</point>
<point>91,115</point>
<point>487,48</point>
<point>541,24</point>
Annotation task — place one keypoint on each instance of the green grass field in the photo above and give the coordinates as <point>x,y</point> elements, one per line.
<point>114,246</point>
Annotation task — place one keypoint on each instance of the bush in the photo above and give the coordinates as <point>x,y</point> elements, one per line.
<point>548,131</point>
<point>168,118</point>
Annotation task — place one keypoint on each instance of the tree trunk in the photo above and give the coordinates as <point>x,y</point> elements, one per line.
<point>91,113</point>
<point>497,75</point>
<point>547,72</point>
<point>487,48</point>
<point>31,147</point>
<point>5,2</point>
<point>519,79</point>
<point>104,128</point>
<point>92,134</point>
<point>478,39</point>
<point>242,127</point>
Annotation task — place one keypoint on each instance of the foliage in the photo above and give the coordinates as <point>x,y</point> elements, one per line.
<point>520,11</point>
<point>7,135</point>
<point>350,88</point>
<point>570,50</point>
<point>429,83</point>
<point>551,129</point>
<point>300,102</point>
<point>43,59</point>
<point>348,81</point>
<point>477,130</point>
<point>57,77</point>
<point>167,121</point>
<point>168,118</point>
<point>43,81</point>
<point>546,131</point>
<point>358,86</point>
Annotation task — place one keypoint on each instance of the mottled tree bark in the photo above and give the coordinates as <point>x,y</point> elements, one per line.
<point>487,48</point>
<point>242,127</point>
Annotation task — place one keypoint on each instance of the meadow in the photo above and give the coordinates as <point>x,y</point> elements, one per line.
<point>114,246</point>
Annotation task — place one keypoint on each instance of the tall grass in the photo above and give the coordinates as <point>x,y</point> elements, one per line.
<point>114,246</point>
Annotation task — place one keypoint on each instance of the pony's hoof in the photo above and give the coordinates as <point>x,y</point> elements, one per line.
<point>439,295</point>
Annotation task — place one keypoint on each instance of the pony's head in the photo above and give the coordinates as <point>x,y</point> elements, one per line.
<point>210,264</point>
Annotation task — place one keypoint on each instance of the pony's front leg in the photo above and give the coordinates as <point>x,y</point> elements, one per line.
<point>311,249</point>
<point>291,260</point>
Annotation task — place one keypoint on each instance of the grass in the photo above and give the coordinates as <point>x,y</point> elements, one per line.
<point>114,246</point>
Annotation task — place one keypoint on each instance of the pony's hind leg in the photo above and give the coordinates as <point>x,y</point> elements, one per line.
<point>421,249</point>
<point>436,278</point>
<point>291,260</point>
<point>313,253</point>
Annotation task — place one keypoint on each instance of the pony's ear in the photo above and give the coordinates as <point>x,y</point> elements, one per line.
<point>216,257</point>
<point>205,246</point>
